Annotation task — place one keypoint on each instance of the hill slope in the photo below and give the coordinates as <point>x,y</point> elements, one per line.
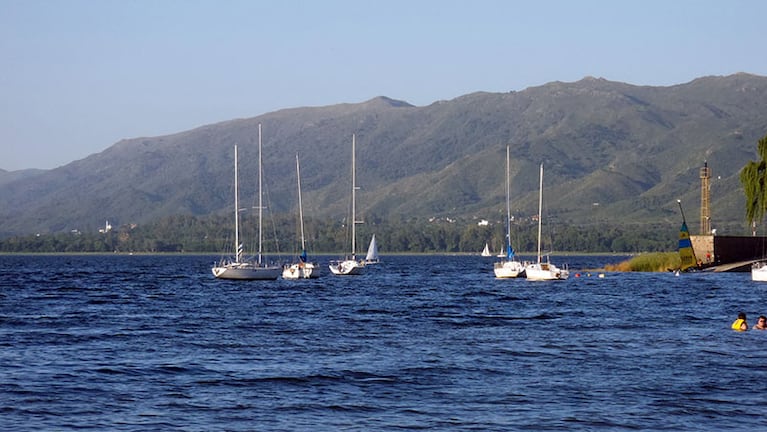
<point>612,151</point>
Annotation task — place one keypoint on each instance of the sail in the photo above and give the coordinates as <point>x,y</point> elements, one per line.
<point>686,253</point>
<point>486,250</point>
<point>372,250</point>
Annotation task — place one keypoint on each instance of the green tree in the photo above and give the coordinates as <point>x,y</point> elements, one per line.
<point>753,177</point>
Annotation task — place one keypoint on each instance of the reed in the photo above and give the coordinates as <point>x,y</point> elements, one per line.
<point>649,262</point>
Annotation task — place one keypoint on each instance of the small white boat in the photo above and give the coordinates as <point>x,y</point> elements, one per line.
<point>509,266</point>
<point>349,265</point>
<point>507,269</point>
<point>372,255</point>
<point>759,271</point>
<point>544,270</point>
<point>238,268</point>
<point>303,269</point>
<point>486,251</point>
<point>346,267</point>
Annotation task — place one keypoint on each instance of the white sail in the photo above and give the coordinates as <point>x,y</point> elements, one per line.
<point>486,251</point>
<point>372,255</point>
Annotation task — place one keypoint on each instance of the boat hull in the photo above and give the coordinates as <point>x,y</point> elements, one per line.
<point>759,271</point>
<point>545,271</point>
<point>246,271</point>
<point>301,271</point>
<point>508,269</point>
<point>346,267</point>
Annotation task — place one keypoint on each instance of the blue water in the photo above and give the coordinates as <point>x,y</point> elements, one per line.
<point>150,343</point>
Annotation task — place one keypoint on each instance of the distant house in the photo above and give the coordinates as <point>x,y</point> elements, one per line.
<point>106,229</point>
<point>482,222</point>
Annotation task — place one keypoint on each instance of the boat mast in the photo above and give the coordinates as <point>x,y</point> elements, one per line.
<point>237,249</point>
<point>300,205</point>
<point>508,207</point>
<point>354,203</point>
<point>260,206</point>
<point>540,206</point>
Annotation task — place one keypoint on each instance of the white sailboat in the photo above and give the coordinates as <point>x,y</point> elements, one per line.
<point>508,267</point>
<point>543,270</point>
<point>486,251</point>
<point>759,271</point>
<point>372,255</point>
<point>239,268</point>
<point>349,265</point>
<point>303,269</point>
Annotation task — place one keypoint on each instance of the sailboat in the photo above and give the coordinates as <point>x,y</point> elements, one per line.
<point>349,265</point>
<point>303,269</point>
<point>508,267</point>
<point>239,268</point>
<point>543,270</point>
<point>372,255</point>
<point>759,268</point>
<point>486,251</point>
<point>686,252</point>
<point>759,271</point>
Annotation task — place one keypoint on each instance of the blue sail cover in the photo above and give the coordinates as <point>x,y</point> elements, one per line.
<point>303,257</point>
<point>509,252</point>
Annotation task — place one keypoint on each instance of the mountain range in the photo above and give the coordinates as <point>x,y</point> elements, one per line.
<point>612,153</point>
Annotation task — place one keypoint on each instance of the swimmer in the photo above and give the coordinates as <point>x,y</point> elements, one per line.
<point>761,323</point>
<point>740,324</point>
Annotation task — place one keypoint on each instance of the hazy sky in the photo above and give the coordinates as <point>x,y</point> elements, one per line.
<point>76,76</point>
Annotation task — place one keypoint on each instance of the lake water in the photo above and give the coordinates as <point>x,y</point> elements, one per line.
<point>150,343</point>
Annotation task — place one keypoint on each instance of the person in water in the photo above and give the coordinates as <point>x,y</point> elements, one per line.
<point>761,323</point>
<point>740,324</point>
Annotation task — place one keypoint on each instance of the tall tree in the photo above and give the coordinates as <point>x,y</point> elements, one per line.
<point>753,177</point>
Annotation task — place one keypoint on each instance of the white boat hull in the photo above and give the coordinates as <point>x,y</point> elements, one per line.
<point>246,271</point>
<point>301,271</point>
<point>508,269</point>
<point>346,267</point>
<point>759,271</point>
<point>545,271</point>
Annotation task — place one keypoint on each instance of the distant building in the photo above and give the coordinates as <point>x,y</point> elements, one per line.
<point>106,229</point>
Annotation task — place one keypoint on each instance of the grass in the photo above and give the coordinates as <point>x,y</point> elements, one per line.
<point>649,262</point>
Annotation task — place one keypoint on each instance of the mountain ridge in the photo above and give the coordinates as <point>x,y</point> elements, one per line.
<point>612,151</point>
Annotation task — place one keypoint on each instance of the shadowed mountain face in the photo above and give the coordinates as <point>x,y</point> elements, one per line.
<point>611,151</point>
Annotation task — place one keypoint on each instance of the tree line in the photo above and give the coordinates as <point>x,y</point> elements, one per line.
<point>214,234</point>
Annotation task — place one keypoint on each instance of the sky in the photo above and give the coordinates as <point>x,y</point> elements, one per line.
<point>77,76</point>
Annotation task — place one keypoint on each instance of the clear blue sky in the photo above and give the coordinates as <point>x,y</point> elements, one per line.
<point>79,75</point>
